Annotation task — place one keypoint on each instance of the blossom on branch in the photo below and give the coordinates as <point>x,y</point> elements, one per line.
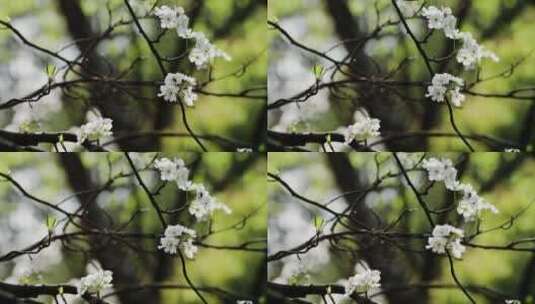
<point>363,281</point>
<point>178,85</point>
<point>471,53</point>
<point>444,84</point>
<point>441,19</point>
<point>96,282</point>
<point>203,51</point>
<point>168,16</point>
<point>178,236</point>
<point>446,237</point>
<point>174,170</point>
<point>204,205</point>
<point>182,25</point>
<point>441,170</point>
<point>364,128</point>
<point>95,129</point>
<point>471,205</point>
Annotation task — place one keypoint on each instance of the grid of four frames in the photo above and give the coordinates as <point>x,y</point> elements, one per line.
<point>267,151</point>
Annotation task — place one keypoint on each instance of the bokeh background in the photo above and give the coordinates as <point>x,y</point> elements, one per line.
<point>237,27</point>
<point>333,180</point>
<point>235,179</point>
<point>503,26</point>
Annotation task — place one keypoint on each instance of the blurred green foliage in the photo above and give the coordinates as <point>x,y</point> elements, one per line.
<point>511,41</point>
<point>234,271</point>
<point>243,38</point>
<point>496,269</point>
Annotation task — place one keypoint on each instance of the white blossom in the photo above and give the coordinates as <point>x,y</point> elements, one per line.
<point>182,27</point>
<point>441,170</point>
<point>95,129</point>
<point>174,170</point>
<point>244,150</point>
<point>178,236</point>
<point>441,19</point>
<point>450,27</point>
<point>190,250</point>
<point>174,17</point>
<point>446,237</point>
<point>364,128</point>
<point>169,244</point>
<point>203,51</point>
<point>513,302</point>
<point>168,16</point>
<point>363,281</point>
<point>434,15</point>
<point>512,150</point>
<point>178,85</point>
<point>204,205</point>
<point>169,92</point>
<point>471,205</point>
<point>471,53</point>
<point>94,283</point>
<point>442,84</point>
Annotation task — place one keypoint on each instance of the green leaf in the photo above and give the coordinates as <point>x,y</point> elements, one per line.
<point>29,126</point>
<point>51,70</point>
<point>319,70</point>
<point>50,222</point>
<point>319,222</point>
<point>299,278</point>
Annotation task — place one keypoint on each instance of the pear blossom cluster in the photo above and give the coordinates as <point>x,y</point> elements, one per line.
<point>94,283</point>
<point>178,85</point>
<point>178,236</point>
<point>95,129</point>
<point>471,204</point>
<point>204,51</point>
<point>469,207</point>
<point>174,170</point>
<point>202,207</point>
<point>469,55</point>
<point>441,19</point>
<point>363,281</point>
<point>446,237</point>
<point>363,129</point>
<point>174,18</point>
<point>444,85</point>
<point>441,170</point>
